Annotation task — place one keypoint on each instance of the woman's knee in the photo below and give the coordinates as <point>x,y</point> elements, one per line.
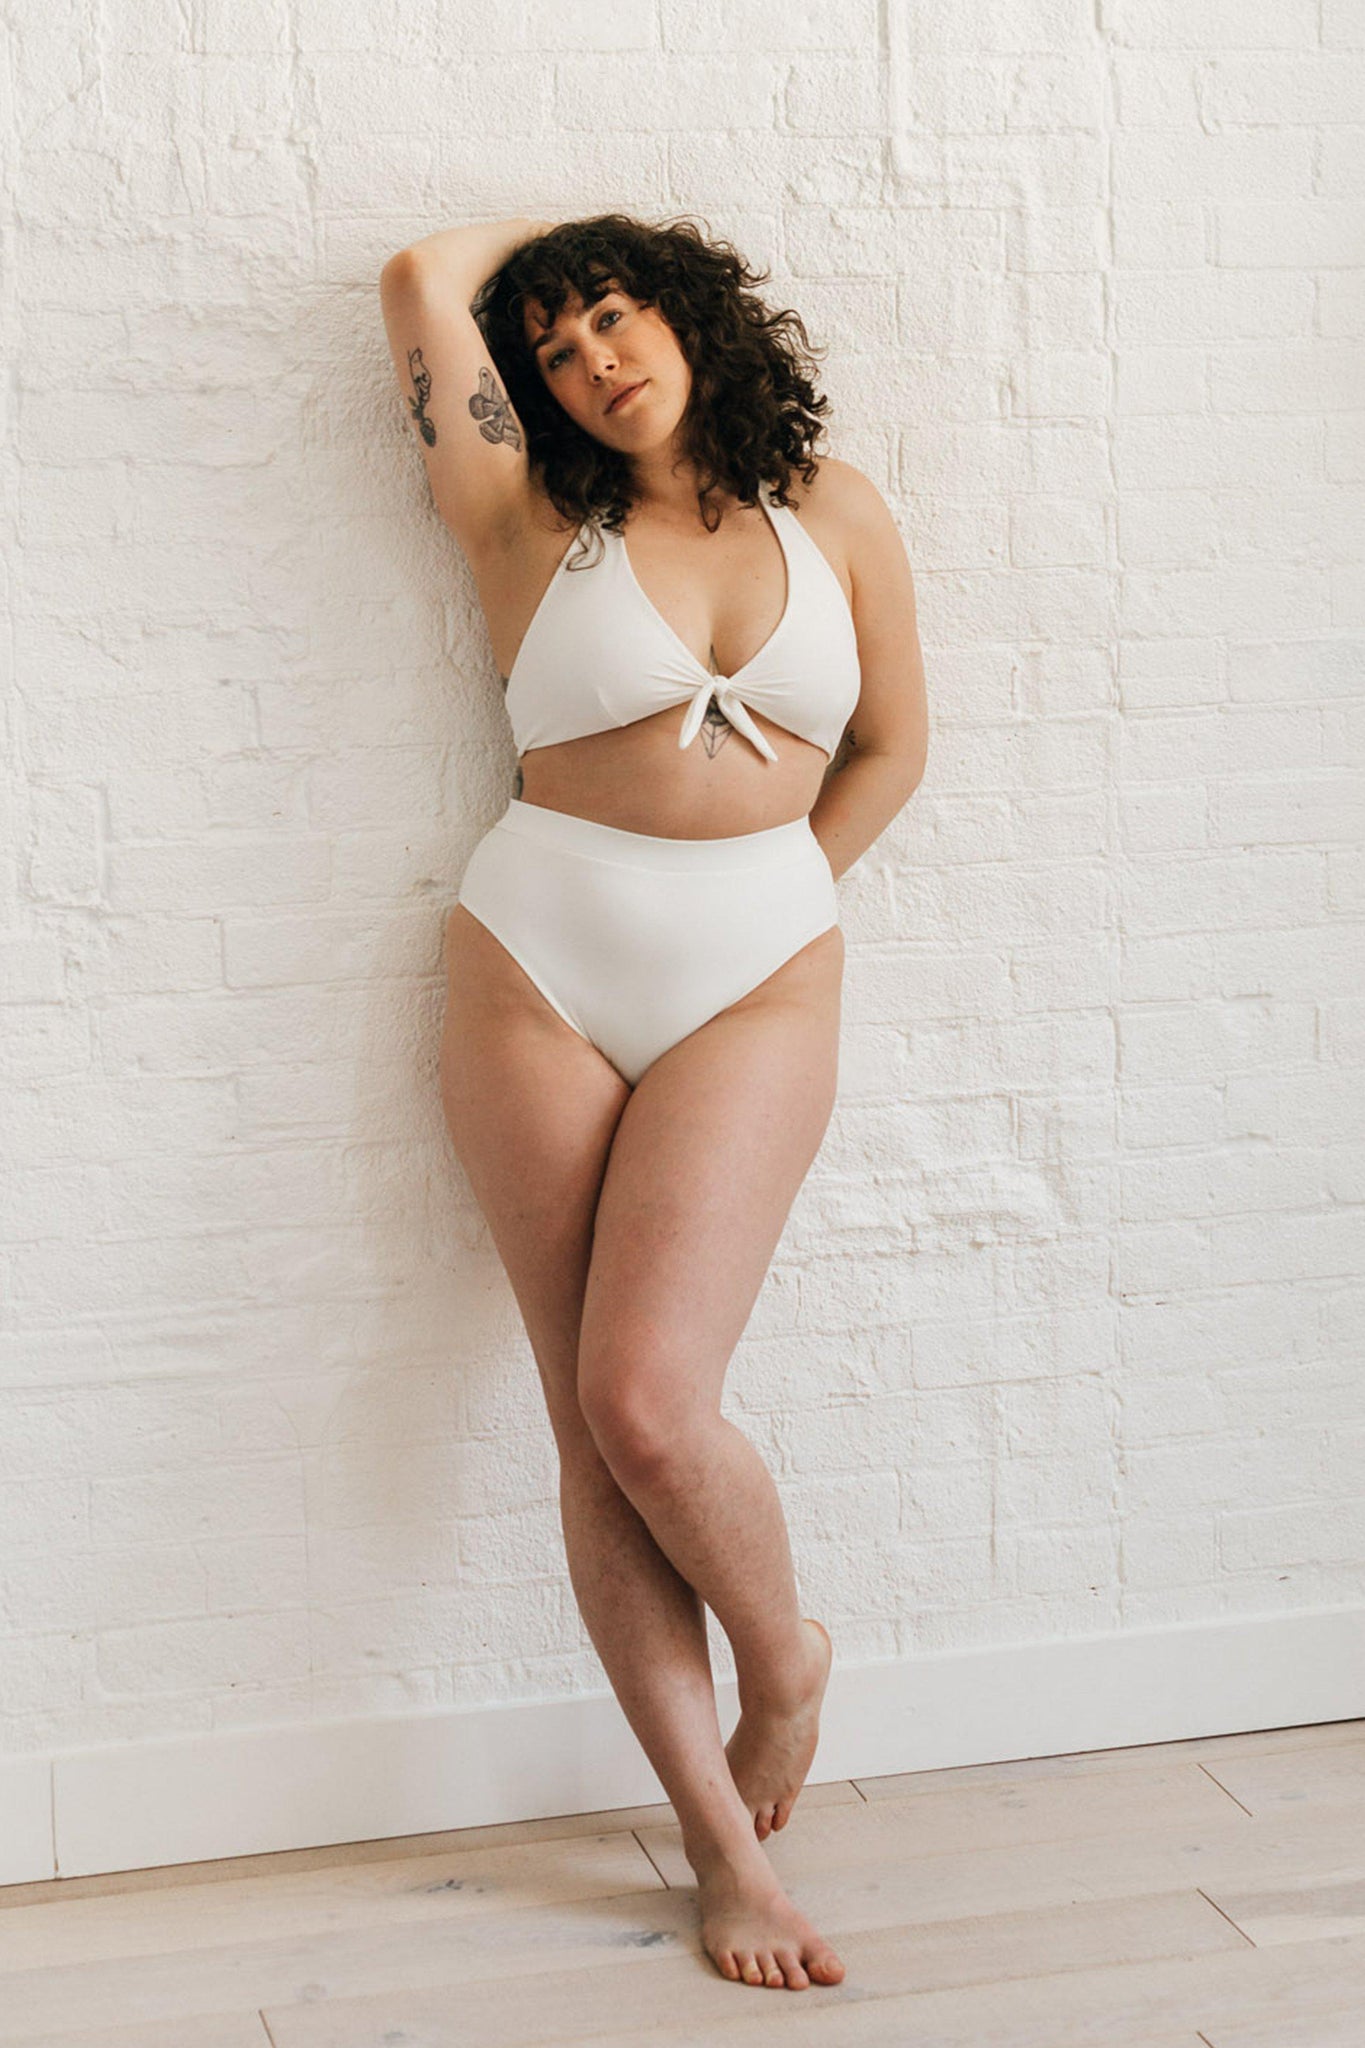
<point>638,1424</point>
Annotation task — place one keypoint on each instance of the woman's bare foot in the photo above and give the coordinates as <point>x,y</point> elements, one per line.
<point>755,1935</point>
<point>769,1754</point>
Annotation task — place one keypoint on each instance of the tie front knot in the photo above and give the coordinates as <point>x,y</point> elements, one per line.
<point>731,705</point>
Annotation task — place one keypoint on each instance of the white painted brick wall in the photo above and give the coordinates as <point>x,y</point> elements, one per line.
<point>1065,1330</point>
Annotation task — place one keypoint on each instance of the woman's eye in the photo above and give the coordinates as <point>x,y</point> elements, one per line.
<point>612,313</point>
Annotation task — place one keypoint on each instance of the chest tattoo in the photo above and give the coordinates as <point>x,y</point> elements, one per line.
<point>715,729</point>
<point>715,726</point>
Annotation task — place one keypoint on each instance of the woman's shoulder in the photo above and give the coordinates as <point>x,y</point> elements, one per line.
<point>840,508</point>
<point>838,488</point>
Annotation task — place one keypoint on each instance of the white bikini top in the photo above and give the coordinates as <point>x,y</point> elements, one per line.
<point>598,654</point>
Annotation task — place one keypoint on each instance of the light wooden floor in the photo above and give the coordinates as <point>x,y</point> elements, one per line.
<point>1206,1894</point>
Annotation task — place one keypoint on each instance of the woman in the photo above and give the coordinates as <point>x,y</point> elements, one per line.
<point>644,965</point>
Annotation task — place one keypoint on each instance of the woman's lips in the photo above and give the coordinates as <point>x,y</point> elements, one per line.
<point>624,397</point>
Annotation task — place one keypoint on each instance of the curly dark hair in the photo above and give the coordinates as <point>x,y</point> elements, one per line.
<point>754,413</point>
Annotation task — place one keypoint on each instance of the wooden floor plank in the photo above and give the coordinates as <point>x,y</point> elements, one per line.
<point>1294,1779</point>
<point>1232,2000</point>
<point>1195,1749</point>
<point>878,2023</point>
<point>191,2030</point>
<point>1315,2030</point>
<point>1311,1909</point>
<point>1225,1862</point>
<point>1114,1805</point>
<point>837,1892</point>
<point>369,1899</point>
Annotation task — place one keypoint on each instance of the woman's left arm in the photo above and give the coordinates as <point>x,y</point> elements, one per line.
<point>880,761</point>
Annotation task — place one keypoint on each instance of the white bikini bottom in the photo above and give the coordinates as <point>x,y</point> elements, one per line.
<point>634,940</point>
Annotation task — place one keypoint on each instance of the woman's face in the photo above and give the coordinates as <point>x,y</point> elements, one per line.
<point>592,354</point>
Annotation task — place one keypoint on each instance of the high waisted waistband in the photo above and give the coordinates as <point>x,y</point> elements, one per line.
<point>771,847</point>
<point>635,940</point>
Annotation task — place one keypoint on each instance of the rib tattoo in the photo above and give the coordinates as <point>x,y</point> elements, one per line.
<point>843,753</point>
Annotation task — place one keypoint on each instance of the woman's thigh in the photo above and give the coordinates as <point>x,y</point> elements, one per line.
<point>707,1158</point>
<point>531,1108</point>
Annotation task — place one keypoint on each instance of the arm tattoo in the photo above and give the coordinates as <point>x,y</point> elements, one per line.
<point>489,405</point>
<point>421,377</point>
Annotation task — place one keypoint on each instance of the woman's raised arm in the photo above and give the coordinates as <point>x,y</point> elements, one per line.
<point>471,439</point>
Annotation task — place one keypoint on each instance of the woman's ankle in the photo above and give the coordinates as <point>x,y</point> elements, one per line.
<point>737,1852</point>
<point>779,1691</point>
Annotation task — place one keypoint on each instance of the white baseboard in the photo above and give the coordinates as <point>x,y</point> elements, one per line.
<point>242,1792</point>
